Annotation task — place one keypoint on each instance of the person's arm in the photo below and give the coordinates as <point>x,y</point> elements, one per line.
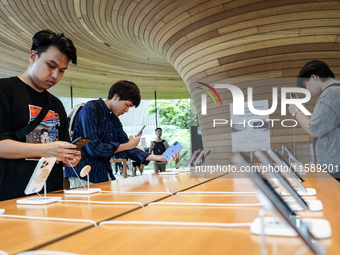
<point>132,143</point>
<point>301,118</point>
<point>151,147</point>
<point>103,144</point>
<point>166,145</point>
<point>153,157</point>
<point>11,149</point>
<point>125,142</point>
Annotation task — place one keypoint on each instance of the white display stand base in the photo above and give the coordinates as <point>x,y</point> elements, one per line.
<point>183,170</point>
<point>320,228</point>
<point>38,200</point>
<point>309,192</point>
<point>2,211</point>
<point>168,173</point>
<point>82,191</point>
<point>313,205</point>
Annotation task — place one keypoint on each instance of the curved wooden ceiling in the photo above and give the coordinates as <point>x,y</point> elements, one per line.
<point>161,45</point>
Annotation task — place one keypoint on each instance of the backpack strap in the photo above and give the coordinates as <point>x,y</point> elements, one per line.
<point>96,104</point>
<point>83,150</point>
<point>32,125</point>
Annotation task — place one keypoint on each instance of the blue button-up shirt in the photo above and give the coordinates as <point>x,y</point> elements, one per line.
<point>105,140</point>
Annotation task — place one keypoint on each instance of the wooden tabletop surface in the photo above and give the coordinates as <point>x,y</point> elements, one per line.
<point>164,239</point>
<point>140,191</point>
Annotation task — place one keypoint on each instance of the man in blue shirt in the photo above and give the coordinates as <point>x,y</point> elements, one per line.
<point>108,138</point>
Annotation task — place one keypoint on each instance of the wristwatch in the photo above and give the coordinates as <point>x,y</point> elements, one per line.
<point>295,112</point>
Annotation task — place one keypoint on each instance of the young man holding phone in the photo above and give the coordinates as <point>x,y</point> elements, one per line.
<point>108,138</point>
<point>22,98</point>
<point>324,124</point>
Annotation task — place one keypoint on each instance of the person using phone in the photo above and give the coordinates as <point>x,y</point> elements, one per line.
<point>22,98</point>
<point>158,147</point>
<point>108,138</point>
<point>324,124</point>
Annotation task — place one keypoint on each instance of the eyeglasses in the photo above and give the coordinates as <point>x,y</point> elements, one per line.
<point>159,132</point>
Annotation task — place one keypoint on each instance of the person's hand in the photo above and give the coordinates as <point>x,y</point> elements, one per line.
<point>292,107</point>
<point>72,162</point>
<point>173,158</point>
<point>61,150</point>
<point>134,140</point>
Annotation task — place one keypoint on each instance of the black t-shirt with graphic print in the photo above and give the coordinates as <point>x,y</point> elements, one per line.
<point>20,104</point>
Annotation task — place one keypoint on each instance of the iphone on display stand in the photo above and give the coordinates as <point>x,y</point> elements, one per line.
<point>191,158</point>
<point>198,159</point>
<point>181,159</point>
<point>38,181</point>
<point>288,223</point>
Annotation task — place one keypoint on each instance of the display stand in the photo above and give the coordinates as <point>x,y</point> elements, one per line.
<point>308,192</point>
<point>320,228</point>
<point>313,205</point>
<point>83,191</point>
<point>275,226</point>
<point>186,161</point>
<point>263,249</point>
<point>288,223</point>
<point>40,177</point>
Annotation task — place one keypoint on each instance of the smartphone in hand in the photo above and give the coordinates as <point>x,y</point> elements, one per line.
<point>173,149</point>
<point>140,132</point>
<point>80,142</point>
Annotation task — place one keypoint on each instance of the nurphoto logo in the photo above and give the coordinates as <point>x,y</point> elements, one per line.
<point>239,107</point>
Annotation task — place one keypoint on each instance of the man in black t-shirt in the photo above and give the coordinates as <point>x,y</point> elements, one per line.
<point>158,147</point>
<point>21,100</point>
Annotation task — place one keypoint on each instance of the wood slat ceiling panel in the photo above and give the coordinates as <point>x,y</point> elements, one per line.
<point>163,45</point>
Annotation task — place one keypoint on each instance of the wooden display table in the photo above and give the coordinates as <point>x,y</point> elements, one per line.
<point>165,239</point>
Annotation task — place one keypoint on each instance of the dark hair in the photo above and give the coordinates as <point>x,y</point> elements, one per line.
<point>158,128</point>
<point>43,39</point>
<point>315,67</point>
<point>43,130</point>
<point>126,90</point>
